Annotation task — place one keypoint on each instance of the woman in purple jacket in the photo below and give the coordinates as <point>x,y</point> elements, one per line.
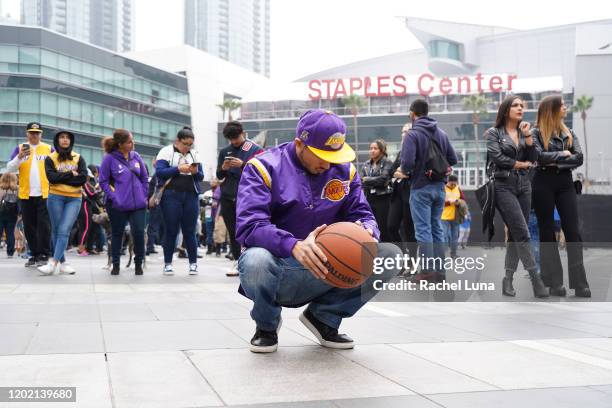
<point>124,180</point>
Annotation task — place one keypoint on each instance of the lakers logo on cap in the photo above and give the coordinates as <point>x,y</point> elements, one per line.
<point>304,135</point>
<point>34,126</point>
<point>335,190</point>
<point>336,141</point>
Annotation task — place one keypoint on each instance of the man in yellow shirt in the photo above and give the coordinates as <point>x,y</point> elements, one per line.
<point>449,214</point>
<point>28,160</point>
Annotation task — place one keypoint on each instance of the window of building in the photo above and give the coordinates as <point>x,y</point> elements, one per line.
<point>445,49</point>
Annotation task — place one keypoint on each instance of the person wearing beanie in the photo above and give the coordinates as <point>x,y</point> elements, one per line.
<point>66,172</point>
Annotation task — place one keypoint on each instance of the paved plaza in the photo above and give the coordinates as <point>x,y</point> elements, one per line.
<point>182,341</point>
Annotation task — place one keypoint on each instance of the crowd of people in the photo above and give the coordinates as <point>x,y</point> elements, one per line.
<point>51,200</point>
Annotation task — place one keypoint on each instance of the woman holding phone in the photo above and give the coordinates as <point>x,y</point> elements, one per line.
<point>511,153</point>
<point>179,171</point>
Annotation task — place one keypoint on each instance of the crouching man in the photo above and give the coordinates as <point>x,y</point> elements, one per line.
<point>286,196</point>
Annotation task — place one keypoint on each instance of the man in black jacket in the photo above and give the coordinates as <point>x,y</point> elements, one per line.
<point>232,160</point>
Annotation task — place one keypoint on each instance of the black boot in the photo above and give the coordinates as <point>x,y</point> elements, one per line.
<point>539,290</point>
<point>218,250</point>
<point>115,270</point>
<point>507,288</point>
<point>138,268</point>
<point>558,291</point>
<point>209,250</point>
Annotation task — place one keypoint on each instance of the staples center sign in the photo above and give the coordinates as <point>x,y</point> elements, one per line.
<point>400,85</point>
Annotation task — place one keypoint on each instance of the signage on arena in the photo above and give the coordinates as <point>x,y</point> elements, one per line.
<point>400,85</point>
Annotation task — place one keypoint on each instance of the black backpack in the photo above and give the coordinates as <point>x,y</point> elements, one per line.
<point>436,166</point>
<point>8,204</point>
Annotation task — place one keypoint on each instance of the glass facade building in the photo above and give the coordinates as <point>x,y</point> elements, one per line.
<point>64,83</point>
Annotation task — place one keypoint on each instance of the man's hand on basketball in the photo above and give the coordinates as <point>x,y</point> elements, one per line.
<point>370,231</point>
<point>310,255</point>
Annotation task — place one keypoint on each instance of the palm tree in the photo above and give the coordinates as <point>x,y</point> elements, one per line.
<point>478,105</point>
<point>582,105</point>
<point>229,105</point>
<point>354,103</point>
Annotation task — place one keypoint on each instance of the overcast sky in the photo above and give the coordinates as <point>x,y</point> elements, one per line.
<point>311,35</point>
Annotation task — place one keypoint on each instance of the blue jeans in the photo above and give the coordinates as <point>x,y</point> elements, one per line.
<point>180,210</point>
<point>118,220</point>
<point>7,224</point>
<point>63,212</point>
<point>451,235</point>
<point>210,228</point>
<point>426,205</point>
<point>272,282</point>
<point>534,234</point>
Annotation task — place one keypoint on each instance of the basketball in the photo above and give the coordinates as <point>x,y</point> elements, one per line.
<point>350,252</point>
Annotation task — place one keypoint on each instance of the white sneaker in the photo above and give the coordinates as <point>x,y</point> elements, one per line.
<point>47,269</point>
<point>67,269</point>
<point>168,270</point>
<point>193,269</point>
<point>233,271</point>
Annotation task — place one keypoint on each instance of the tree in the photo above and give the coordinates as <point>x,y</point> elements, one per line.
<point>229,105</point>
<point>477,104</point>
<point>582,105</point>
<point>354,103</point>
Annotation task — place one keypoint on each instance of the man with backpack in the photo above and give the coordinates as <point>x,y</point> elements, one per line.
<point>428,155</point>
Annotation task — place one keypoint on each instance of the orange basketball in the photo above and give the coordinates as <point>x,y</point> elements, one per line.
<point>350,252</point>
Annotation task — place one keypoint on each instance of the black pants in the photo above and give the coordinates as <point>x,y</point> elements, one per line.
<point>400,226</point>
<point>380,208</point>
<point>155,230</point>
<point>556,189</point>
<point>228,212</point>
<point>119,220</point>
<point>513,200</point>
<point>37,226</point>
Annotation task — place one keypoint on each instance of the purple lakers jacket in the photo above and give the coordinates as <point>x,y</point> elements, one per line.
<point>279,202</point>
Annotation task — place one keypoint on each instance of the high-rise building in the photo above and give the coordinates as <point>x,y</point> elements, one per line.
<point>235,30</point>
<point>106,23</point>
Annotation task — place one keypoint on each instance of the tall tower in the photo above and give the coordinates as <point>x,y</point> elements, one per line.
<point>234,30</point>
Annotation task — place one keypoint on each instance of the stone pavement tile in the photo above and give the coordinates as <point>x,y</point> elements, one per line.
<point>48,313</point>
<point>137,298</point>
<point>126,312</point>
<point>537,398</point>
<point>435,330</point>
<point>86,372</point>
<point>55,286</point>
<point>604,319</point>
<point>510,366</point>
<point>158,379</point>
<point>301,404</point>
<point>73,298</point>
<point>15,337</point>
<point>245,328</point>
<point>419,375</point>
<point>66,338</point>
<point>559,320</point>
<point>8,287</point>
<point>112,288</point>
<point>603,388</point>
<point>25,298</point>
<point>503,327</point>
<point>198,311</point>
<point>169,335</point>
<point>403,401</point>
<point>598,348</point>
<point>290,374</point>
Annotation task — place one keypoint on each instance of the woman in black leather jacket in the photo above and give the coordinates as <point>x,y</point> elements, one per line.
<point>511,152</point>
<point>559,152</point>
<point>376,180</point>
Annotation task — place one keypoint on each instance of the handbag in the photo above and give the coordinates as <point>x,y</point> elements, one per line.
<point>158,193</point>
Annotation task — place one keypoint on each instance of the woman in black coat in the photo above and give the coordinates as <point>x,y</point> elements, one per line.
<point>376,180</point>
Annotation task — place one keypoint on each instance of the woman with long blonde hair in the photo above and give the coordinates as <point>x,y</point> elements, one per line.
<point>8,210</point>
<point>559,153</point>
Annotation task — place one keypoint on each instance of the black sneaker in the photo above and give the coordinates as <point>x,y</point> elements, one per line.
<point>31,262</point>
<point>582,292</point>
<point>115,270</point>
<point>264,341</point>
<point>137,269</point>
<point>42,260</point>
<point>327,336</point>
